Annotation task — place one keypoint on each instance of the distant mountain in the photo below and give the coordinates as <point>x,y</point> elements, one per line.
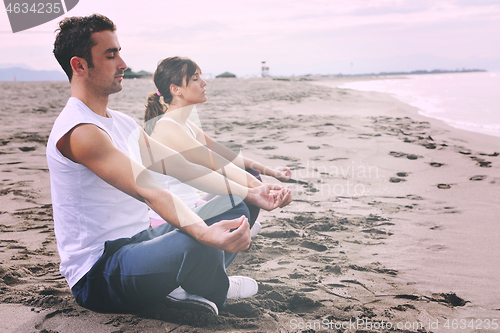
<point>12,65</point>
<point>23,74</point>
<point>420,62</point>
<point>419,72</point>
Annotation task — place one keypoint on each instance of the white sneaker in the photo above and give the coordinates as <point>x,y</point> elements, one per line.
<point>255,229</point>
<point>180,299</point>
<point>241,287</point>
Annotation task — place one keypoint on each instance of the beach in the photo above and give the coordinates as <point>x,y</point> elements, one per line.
<point>393,227</point>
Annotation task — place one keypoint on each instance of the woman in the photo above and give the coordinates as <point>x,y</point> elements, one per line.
<point>179,88</point>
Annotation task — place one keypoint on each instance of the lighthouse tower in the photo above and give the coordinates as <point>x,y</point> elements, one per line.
<point>265,69</point>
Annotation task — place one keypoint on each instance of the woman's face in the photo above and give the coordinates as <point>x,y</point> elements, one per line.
<point>194,92</point>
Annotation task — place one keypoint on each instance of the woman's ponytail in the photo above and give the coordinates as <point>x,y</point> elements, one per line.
<point>155,108</point>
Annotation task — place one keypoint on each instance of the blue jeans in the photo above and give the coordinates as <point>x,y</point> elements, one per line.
<point>137,272</point>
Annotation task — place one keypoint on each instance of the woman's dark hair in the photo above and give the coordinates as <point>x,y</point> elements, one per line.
<point>74,39</point>
<point>169,71</point>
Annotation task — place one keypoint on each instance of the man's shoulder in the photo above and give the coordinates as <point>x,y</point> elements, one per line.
<point>72,111</point>
<point>119,114</point>
<point>71,115</point>
<point>74,103</point>
<point>123,120</point>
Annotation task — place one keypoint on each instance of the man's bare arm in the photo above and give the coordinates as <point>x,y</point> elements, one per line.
<point>88,145</point>
<point>161,159</point>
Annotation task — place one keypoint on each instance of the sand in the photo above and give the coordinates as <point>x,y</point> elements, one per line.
<point>394,222</point>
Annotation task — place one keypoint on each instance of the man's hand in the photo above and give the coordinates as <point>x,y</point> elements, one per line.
<point>220,236</point>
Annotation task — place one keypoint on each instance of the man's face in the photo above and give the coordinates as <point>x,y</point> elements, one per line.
<point>106,77</point>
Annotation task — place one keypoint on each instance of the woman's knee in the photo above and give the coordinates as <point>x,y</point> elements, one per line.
<point>241,209</point>
<point>254,173</point>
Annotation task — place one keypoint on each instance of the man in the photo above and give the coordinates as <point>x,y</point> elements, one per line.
<point>110,258</point>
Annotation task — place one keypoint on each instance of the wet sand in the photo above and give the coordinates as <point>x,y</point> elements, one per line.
<point>395,216</point>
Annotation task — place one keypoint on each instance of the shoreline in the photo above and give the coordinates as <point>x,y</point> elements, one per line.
<point>423,108</point>
<point>387,252</point>
<point>477,140</point>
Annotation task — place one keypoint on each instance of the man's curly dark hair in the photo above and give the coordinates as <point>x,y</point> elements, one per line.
<point>74,39</point>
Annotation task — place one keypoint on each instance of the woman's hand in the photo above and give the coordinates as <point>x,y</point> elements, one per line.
<point>266,196</point>
<point>283,174</point>
<point>286,199</point>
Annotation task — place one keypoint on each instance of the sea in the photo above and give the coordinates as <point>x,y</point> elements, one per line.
<point>469,101</point>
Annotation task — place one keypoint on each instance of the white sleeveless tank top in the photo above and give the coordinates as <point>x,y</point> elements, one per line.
<point>87,210</point>
<point>188,194</point>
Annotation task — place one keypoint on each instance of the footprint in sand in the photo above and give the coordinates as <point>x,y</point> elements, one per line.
<point>478,177</point>
<point>397,154</point>
<point>436,164</point>
<point>402,174</point>
<point>429,145</point>
<point>449,298</point>
<point>492,155</point>
<point>314,246</point>
<point>27,148</point>
<point>318,134</point>
<point>254,141</point>
<point>313,147</point>
<point>280,234</point>
<point>484,164</point>
<point>437,247</point>
<point>281,157</point>
<point>401,154</point>
<point>396,180</point>
<point>481,162</point>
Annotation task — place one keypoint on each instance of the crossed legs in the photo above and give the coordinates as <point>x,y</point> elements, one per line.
<point>137,272</point>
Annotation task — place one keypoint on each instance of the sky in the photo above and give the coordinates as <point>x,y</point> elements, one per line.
<point>294,37</point>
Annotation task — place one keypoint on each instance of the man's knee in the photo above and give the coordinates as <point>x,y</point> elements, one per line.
<point>203,253</point>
